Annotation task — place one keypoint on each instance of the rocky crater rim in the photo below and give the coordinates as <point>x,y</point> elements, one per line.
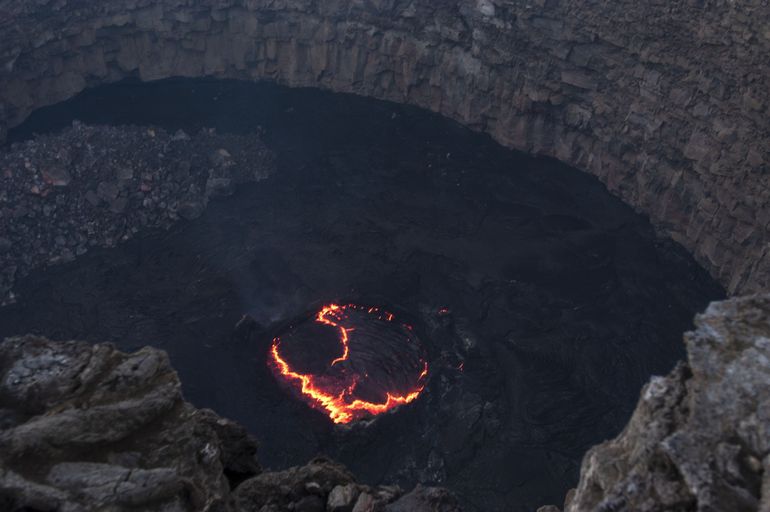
<point>664,103</point>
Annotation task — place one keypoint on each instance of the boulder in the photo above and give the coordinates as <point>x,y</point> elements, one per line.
<point>89,427</point>
<point>425,499</point>
<point>342,498</point>
<point>699,437</point>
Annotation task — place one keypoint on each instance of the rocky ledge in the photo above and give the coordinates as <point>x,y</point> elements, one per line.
<point>86,427</point>
<point>94,186</point>
<point>700,437</point>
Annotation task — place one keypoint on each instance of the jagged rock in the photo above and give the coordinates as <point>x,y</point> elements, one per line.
<point>221,158</point>
<point>94,427</point>
<point>106,484</point>
<point>342,498</point>
<point>124,174</point>
<point>118,205</point>
<point>219,187</point>
<point>280,489</point>
<point>92,198</point>
<point>367,503</point>
<point>107,191</point>
<point>700,437</point>
<point>180,135</point>
<point>388,493</point>
<point>425,499</point>
<point>190,210</point>
<point>57,176</point>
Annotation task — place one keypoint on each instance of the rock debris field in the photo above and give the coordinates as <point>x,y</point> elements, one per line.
<point>96,186</point>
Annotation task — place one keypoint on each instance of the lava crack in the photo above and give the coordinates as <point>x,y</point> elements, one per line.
<point>379,363</point>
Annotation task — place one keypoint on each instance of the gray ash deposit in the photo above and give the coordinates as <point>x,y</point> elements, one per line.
<point>544,302</point>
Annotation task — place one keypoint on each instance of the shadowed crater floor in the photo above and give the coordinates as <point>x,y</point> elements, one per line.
<point>541,302</point>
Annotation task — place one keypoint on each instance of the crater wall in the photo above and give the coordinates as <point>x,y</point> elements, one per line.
<point>666,102</point>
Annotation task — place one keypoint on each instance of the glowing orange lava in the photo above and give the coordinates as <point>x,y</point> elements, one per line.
<point>338,400</point>
<point>329,315</point>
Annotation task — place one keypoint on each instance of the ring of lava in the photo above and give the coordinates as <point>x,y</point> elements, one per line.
<point>351,362</point>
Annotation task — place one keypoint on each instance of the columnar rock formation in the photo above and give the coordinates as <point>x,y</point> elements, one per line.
<point>666,102</point>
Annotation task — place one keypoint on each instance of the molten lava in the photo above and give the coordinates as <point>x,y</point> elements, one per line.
<point>379,366</point>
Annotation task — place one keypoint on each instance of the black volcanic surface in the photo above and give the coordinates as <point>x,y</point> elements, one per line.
<point>544,303</point>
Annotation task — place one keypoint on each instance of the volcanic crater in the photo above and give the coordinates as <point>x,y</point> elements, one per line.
<point>519,306</point>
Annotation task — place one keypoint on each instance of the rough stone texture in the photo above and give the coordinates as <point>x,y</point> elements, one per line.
<point>342,498</point>
<point>323,485</point>
<point>88,426</point>
<point>95,186</point>
<point>277,490</point>
<point>85,427</point>
<point>432,499</point>
<point>665,102</point>
<point>700,437</point>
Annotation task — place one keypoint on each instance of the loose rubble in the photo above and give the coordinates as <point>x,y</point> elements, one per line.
<point>95,186</point>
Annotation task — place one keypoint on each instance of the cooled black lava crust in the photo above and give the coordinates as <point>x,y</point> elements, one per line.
<point>546,301</point>
<point>351,361</point>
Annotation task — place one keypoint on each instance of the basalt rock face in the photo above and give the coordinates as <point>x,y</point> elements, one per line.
<point>86,427</point>
<point>664,102</point>
<point>700,437</point>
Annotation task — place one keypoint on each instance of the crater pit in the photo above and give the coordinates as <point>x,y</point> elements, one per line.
<point>351,361</point>
<point>540,302</point>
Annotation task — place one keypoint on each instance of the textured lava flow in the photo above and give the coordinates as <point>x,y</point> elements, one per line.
<point>351,361</point>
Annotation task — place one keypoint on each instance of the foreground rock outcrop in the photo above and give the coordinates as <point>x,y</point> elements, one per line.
<point>95,186</point>
<point>700,437</point>
<point>85,427</point>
